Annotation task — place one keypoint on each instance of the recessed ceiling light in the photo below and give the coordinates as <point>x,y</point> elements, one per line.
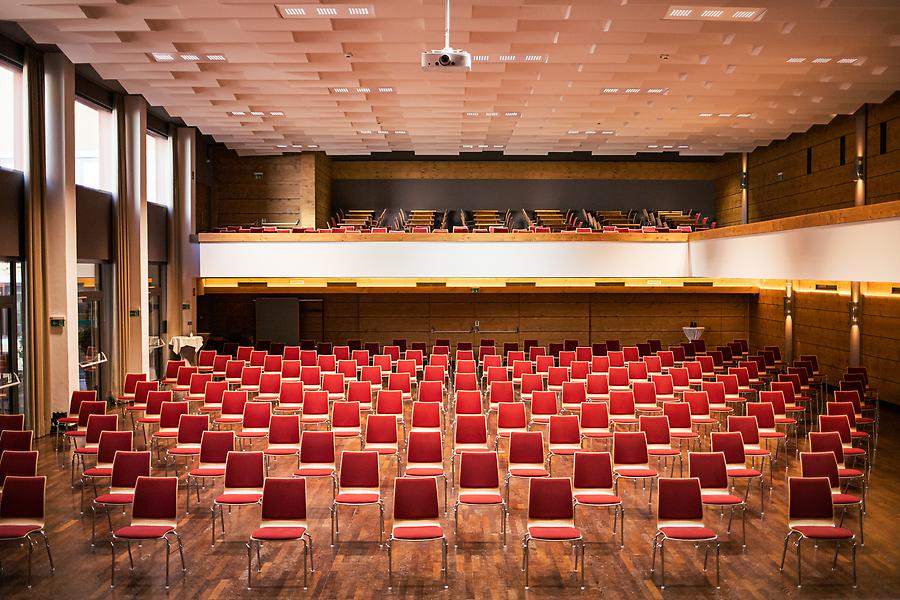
<point>276,113</point>
<point>589,132</point>
<point>162,57</point>
<point>821,60</point>
<point>705,114</point>
<point>386,90</point>
<point>215,57</point>
<point>366,131</point>
<point>481,57</point>
<point>281,146</point>
<point>724,114</point>
<point>511,114</point>
<point>743,115</point>
<point>712,13</point>
<point>326,11</point>
<point>358,10</point>
<point>483,146</point>
<point>313,146</point>
<point>632,90</point>
<point>296,145</point>
<point>653,146</point>
<point>310,10</point>
<point>363,90</point>
<point>472,114</point>
<point>572,132</point>
<point>294,11</point>
<point>608,132</point>
<point>400,132</point>
<point>498,145</point>
<point>847,61</point>
<point>610,90</point>
<point>683,146</point>
<point>656,90</point>
<point>340,90</point>
<point>534,58</point>
<point>490,114</point>
<point>743,14</point>
<point>190,57</point>
<point>467,146</point>
<point>667,146</point>
<point>256,113</point>
<point>507,57</point>
<point>796,60</point>
<point>680,12</point>
<point>237,113</point>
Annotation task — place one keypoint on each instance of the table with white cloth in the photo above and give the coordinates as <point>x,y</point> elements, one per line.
<point>693,333</point>
<point>186,346</point>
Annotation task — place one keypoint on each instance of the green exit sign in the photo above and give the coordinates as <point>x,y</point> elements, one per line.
<point>57,322</point>
<point>185,306</point>
<point>134,313</point>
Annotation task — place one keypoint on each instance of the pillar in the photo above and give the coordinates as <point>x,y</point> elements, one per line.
<point>788,322</point>
<point>859,199</point>
<point>134,225</point>
<point>60,248</point>
<point>184,255</point>
<point>745,188</point>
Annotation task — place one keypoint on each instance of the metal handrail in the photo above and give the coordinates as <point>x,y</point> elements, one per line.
<point>14,382</point>
<point>160,343</point>
<point>101,358</point>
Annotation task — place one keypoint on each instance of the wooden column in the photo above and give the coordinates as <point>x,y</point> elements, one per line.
<point>788,323</point>
<point>859,199</point>
<point>745,188</point>
<point>184,255</point>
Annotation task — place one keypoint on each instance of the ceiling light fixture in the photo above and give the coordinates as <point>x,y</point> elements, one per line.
<point>162,57</point>
<point>326,11</point>
<point>534,58</point>
<point>481,57</point>
<point>507,57</point>
<point>215,57</point>
<point>190,57</point>
<point>821,60</point>
<point>796,60</point>
<point>237,113</point>
<point>257,113</point>
<point>320,11</point>
<point>313,146</point>
<point>715,13</point>
<point>680,12</point>
<point>610,90</point>
<point>847,61</point>
<point>632,90</point>
<point>608,132</point>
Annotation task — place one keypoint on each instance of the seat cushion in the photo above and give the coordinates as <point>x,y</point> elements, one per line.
<point>184,451</point>
<point>824,532</point>
<point>313,472</point>
<point>589,498</point>
<point>721,499</point>
<point>277,533</point>
<point>357,498</point>
<point>238,498</point>
<point>142,532</point>
<point>541,532</point>
<point>480,498</point>
<point>114,499</point>
<point>281,451</point>
<point>207,472</point>
<point>424,471</point>
<point>845,472</point>
<point>845,499</point>
<point>516,472</point>
<point>418,532</point>
<point>16,531</point>
<point>98,472</point>
<point>688,533</point>
<point>744,473</point>
<point>626,472</point>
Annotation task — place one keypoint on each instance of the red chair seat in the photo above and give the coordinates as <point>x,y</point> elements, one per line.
<point>636,473</point>
<point>356,498</point>
<point>688,533</point>
<point>515,472</point>
<point>564,451</point>
<point>418,532</point>
<point>824,532</point>
<point>184,451</point>
<point>771,434</point>
<point>382,449</point>
<point>229,420</point>
<point>721,499</point>
<point>251,434</point>
<point>280,451</point>
<point>540,532</point>
<point>854,451</point>
<point>785,421</point>
<point>142,532</point>
<point>686,435</point>
<point>136,407</point>
<point>148,420</point>
<point>67,420</point>
<point>277,533</point>
<point>664,452</point>
<point>424,471</point>
<point>845,499</point>
<point>74,433</point>
<point>88,451</point>
<point>856,434</point>
<point>588,498</point>
<point>744,473</point>
<point>98,472</point>
<point>238,498</point>
<point>703,421</point>
<point>480,498</point>
<point>623,420</point>
<point>166,434</point>
<point>756,452</point>
<point>846,472</point>
<point>313,472</point>
<point>114,499</point>
<point>207,472</point>
<point>16,531</point>
<point>598,434</point>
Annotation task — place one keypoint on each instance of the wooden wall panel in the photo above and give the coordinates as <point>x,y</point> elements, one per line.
<point>728,190</point>
<point>883,169</point>
<point>767,319</point>
<point>821,328</point>
<point>880,345</point>
<point>323,189</point>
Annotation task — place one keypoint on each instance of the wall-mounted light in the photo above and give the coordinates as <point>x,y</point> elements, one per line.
<point>860,168</point>
<point>788,305</point>
<point>854,313</point>
<point>745,180</point>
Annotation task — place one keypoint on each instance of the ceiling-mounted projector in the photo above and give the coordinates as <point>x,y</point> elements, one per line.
<point>446,59</point>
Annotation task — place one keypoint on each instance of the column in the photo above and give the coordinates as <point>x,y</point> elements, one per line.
<point>859,199</point>
<point>745,188</point>
<point>788,322</point>
<point>60,252</point>
<point>184,255</point>
<point>133,221</point>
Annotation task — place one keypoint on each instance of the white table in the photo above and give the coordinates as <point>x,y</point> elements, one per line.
<point>186,346</point>
<point>693,333</point>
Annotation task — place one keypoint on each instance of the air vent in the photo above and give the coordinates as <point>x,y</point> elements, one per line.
<point>520,284</point>
<point>697,284</point>
<point>609,283</point>
<point>340,284</point>
<point>253,284</point>
<point>826,287</point>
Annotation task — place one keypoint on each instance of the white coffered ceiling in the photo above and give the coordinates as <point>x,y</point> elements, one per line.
<point>604,76</point>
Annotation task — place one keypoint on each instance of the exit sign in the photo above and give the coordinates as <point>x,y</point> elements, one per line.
<point>57,322</point>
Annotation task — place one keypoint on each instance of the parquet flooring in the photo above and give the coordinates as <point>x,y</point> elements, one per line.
<point>480,568</point>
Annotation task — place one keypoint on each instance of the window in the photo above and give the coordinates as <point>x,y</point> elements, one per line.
<point>159,170</point>
<point>12,117</point>
<point>95,147</point>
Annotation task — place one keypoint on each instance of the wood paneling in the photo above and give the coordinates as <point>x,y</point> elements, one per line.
<point>880,345</point>
<point>728,190</point>
<point>883,170</point>
<point>821,328</point>
<point>459,169</point>
<point>323,189</point>
<point>767,319</point>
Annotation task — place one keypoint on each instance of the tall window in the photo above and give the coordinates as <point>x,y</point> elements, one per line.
<point>95,147</point>
<point>12,117</point>
<point>159,169</point>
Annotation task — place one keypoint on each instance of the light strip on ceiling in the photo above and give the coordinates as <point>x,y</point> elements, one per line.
<point>185,57</point>
<point>325,11</point>
<point>714,13</point>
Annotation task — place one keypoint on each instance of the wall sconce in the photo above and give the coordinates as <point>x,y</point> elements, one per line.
<point>860,168</point>
<point>854,313</point>
<point>788,306</point>
<point>745,180</point>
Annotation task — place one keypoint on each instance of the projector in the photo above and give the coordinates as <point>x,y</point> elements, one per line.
<point>447,59</point>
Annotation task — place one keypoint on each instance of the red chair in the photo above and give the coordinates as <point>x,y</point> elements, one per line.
<point>499,392</point>
<point>711,471</point>
<point>182,383</point>
<point>526,458</point>
<point>232,412</point>
<point>327,363</point>
<point>17,440</point>
<point>214,449</point>
<point>127,467</point>
<point>811,517</point>
<point>213,392</point>
<point>71,418</point>
<point>171,372</point>
<point>432,391</point>
<point>335,385</point>
<point>597,387</point>
<point>187,439</point>
<point>479,485</point>
<point>595,421</point>
<point>311,377</point>
<point>631,459</point>
<point>426,416</point>
<point>425,457</point>
<point>22,463</point>
<point>831,439</point>
<point>153,517</point>
<point>824,464</point>
<point>390,402</point>
<point>315,408</point>
<point>645,398</point>
<point>361,392</point>
<point>22,510</point>
<point>283,439</point>
<point>416,518</point>
<point>556,378</point>
<point>269,388</point>
<point>169,416</point>
<point>381,436</point>
<point>153,410</point>
<point>731,445</point>
<point>622,409</point>
<point>346,421</point>
<point>701,415</point>
<point>593,485</point>
<point>748,427</point>
<point>680,519</point>
<point>600,364</point>
<point>618,379</point>
<point>283,519</point>
<point>359,484</point>
<point>400,382</point>
<point>765,420</point>
<point>510,417</point>
<point>85,411</point>
<point>219,366</point>
<point>128,389</point>
<point>197,388</point>
<point>317,456</point>
<point>681,428</point>
<point>273,363</point>
<point>659,440</point>
<point>543,406</point>
<point>97,424</point>
<point>565,437</point>
<point>255,422</point>
<point>469,435</point>
<point>244,475</point>
<point>551,518</point>
<point>574,395</point>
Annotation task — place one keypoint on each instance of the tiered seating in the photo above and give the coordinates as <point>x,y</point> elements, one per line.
<point>554,219</point>
<point>355,219</point>
<point>420,221</point>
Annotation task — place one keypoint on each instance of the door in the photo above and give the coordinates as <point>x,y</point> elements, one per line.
<point>89,345</point>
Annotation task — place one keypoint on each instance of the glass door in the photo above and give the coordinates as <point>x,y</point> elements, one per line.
<point>89,343</point>
<point>8,398</point>
<point>12,394</point>
<point>156,287</point>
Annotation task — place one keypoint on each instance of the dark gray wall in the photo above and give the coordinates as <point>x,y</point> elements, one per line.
<point>94,224</point>
<point>12,215</point>
<point>157,233</point>
<point>467,194</point>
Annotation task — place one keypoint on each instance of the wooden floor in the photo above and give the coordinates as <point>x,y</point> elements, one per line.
<point>479,568</point>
